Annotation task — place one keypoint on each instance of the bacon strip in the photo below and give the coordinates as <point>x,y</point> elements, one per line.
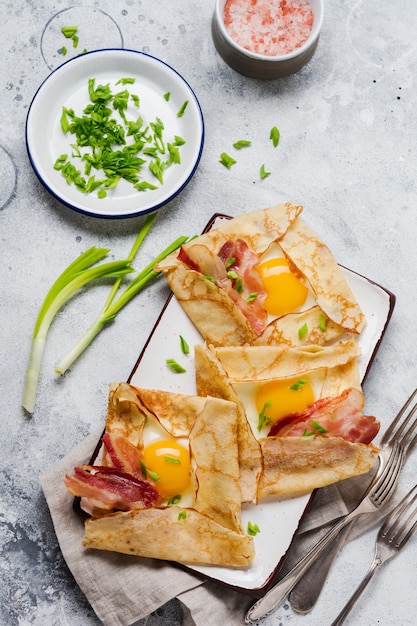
<point>234,256</point>
<point>122,454</point>
<point>110,488</point>
<point>341,417</point>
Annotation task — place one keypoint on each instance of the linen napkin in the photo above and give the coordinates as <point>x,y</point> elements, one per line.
<point>123,589</point>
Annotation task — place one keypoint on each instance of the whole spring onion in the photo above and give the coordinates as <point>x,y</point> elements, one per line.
<point>76,275</point>
<point>112,306</point>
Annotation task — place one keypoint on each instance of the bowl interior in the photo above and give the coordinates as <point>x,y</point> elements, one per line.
<point>317,8</point>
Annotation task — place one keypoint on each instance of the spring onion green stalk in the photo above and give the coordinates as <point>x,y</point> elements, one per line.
<point>112,308</point>
<point>75,276</point>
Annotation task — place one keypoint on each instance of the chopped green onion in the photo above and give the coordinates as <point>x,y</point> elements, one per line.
<point>263,173</point>
<point>274,136</point>
<point>242,143</point>
<point>184,345</point>
<point>114,146</point>
<point>64,50</point>
<point>175,499</point>
<point>125,81</point>
<point>182,109</point>
<point>171,459</point>
<point>317,428</point>
<point>299,384</point>
<point>323,322</point>
<point>69,31</point>
<point>227,160</point>
<point>182,515</point>
<point>263,419</point>
<point>302,331</point>
<point>253,529</point>
<point>230,262</point>
<point>167,96</point>
<point>143,469</point>
<point>175,367</point>
<point>252,296</point>
<point>178,141</point>
<point>154,476</point>
<point>232,274</point>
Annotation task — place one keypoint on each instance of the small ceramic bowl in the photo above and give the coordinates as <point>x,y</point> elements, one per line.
<point>262,66</point>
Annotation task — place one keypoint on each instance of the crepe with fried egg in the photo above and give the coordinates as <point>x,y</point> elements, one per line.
<point>139,502</point>
<point>300,408</point>
<point>233,280</point>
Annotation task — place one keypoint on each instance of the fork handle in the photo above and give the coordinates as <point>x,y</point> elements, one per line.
<point>355,597</point>
<point>277,594</point>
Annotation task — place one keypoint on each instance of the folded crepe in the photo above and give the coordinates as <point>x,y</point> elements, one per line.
<point>328,441</point>
<point>216,280</point>
<point>206,528</point>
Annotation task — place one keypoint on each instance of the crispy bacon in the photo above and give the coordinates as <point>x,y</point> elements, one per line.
<point>341,416</point>
<point>122,454</point>
<point>234,256</point>
<point>110,488</point>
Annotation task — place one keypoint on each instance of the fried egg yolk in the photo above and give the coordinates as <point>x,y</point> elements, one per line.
<point>285,291</point>
<point>170,463</point>
<point>278,399</point>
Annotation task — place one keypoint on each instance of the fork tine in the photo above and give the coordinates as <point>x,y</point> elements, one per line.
<point>409,445</point>
<point>394,530</point>
<point>391,428</point>
<point>382,490</point>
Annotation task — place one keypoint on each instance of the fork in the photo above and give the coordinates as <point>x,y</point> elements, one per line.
<point>307,590</point>
<point>396,445</point>
<point>392,536</point>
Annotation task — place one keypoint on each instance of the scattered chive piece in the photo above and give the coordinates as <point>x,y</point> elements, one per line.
<point>252,296</point>
<point>175,499</point>
<point>64,50</point>
<point>232,274</point>
<point>143,469</point>
<point>227,160</point>
<point>242,143</point>
<point>175,367</point>
<point>253,529</point>
<point>182,515</point>
<point>125,81</point>
<point>171,459</point>
<point>317,428</point>
<point>323,322</point>
<point>69,31</point>
<point>154,476</point>
<point>184,345</point>
<point>299,384</point>
<point>263,173</point>
<point>230,262</point>
<point>182,109</point>
<point>167,96</point>
<point>75,40</point>
<point>274,136</point>
<point>302,331</point>
<point>264,420</point>
<point>210,278</point>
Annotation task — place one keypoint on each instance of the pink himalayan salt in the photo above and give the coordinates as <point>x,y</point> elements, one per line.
<point>269,27</point>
